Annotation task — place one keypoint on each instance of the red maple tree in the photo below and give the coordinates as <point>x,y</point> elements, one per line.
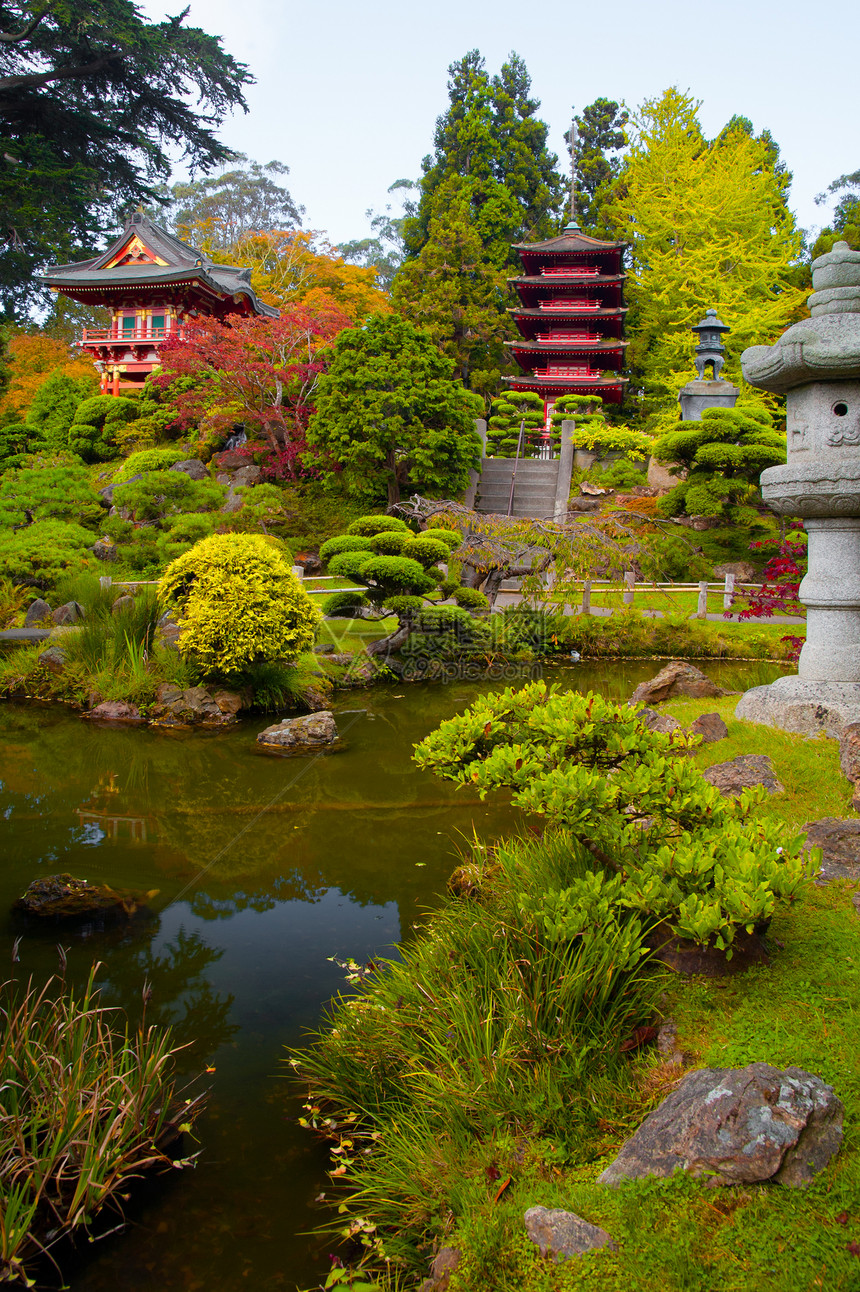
<point>258,371</point>
<point>780,586</point>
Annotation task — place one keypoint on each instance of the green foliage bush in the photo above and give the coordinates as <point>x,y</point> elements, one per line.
<point>668,844</point>
<point>337,604</point>
<point>148,460</point>
<point>349,563</point>
<point>507,413</point>
<point>470,599</point>
<point>44,552</point>
<point>368,526</point>
<point>264,509</point>
<point>17,441</point>
<point>344,543</point>
<point>452,537</point>
<point>92,434</point>
<point>404,607</point>
<point>724,453</point>
<point>390,542</point>
<point>167,493</point>
<point>238,603</point>
<point>427,550</point>
<point>392,576</point>
<point>49,493</point>
<point>55,404</point>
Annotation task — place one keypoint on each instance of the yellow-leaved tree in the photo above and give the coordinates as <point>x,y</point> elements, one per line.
<point>709,227</point>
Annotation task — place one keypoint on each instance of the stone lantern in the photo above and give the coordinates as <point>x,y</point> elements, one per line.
<point>816,364</point>
<point>699,395</point>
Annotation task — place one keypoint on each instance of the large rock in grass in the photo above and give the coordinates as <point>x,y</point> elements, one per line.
<point>737,1126</point>
<point>191,467</point>
<point>70,613</point>
<point>315,731</point>
<point>677,678</point>
<point>64,899</point>
<point>562,1234</point>
<point>54,659</point>
<point>661,722</point>
<point>839,841</point>
<point>445,1262</point>
<point>710,727</point>
<point>743,772</point>
<point>39,612</point>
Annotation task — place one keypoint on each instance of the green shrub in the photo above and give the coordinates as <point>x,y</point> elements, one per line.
<point>678,850</point>
<point>42,553</point>
<point>452,537</point>
<point>393,576</point>
<point>61,492</point>
<point>17,441</point>
<point>93,432</point>
<point>427,550</point>
<point>350,563</point>
<point>54,406</point>
<point>148,460</point>
<point>470,599</point>
<point>404,607</point>
<point>344,543</point>
<point>167,493</point>
<point>238,603</point>
<point>264,510</point>
<point>337,603</point>
<point>390,542</point>
<point>368,526</point>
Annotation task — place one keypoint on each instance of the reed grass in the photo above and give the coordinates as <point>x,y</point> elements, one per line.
<point>86,1107</point>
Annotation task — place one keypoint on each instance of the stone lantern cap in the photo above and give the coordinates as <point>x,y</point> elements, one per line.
<point>824,347</point>
<point>710,323</point>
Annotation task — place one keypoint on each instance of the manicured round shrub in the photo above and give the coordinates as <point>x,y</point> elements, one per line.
<point>426,550</point>
<point>390,542</point>
<point>404,607</point>
<point>397,574</point>
<point>349,564</point>
<point>341,605</point>
<point>343,543</point>
<point>238,603</point>
<point>148,460</point>
<point>470,599</point>
<point>452,537</point>
<point>92,434</point>
<point>40,554</point>
<point>370,525</point>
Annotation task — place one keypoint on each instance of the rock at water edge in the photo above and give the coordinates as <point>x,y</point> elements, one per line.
<point>677,678</point>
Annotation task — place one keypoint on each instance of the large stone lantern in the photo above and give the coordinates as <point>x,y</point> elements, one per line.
<point>699,395</point>
<point>816,364</point>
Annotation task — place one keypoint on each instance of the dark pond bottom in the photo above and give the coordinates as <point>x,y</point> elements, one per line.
<point>265,868</point>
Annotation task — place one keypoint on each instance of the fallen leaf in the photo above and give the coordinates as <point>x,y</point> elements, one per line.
<point>493,1173</point>
<point>842,1218</point>
<point>640,1036</point>
<point>854,1248</point>
<point>502,1188</point>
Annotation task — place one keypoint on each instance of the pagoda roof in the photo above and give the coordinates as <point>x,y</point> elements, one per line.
<point>563,347</point>
<point>146,255</point>
<point>581,312</point>
<point>567,280</point>
<point>571,239</point>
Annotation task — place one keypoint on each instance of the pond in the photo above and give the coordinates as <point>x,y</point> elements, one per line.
<point>265,869</point>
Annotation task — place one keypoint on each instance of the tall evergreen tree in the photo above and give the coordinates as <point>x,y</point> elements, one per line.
<point>600,130</point>
<point>709,227</point>
<point>845,225</point>
<point>490,182</point>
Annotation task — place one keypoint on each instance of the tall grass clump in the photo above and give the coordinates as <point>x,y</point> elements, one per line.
<point>494,1022</point>
<point>110,652</point>
<point>86,1107</point>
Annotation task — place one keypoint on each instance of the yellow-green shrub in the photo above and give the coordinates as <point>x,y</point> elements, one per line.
<point>238,603</point>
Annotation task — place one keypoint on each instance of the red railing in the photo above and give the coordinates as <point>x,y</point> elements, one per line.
<point>553,338</point>
<point>584,271</point>
<point>103,334</point>
<point>570,303</point>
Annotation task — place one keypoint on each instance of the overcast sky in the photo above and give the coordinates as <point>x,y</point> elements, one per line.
<point>347,94</point>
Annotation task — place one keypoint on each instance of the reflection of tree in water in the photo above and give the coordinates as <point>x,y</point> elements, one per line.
<point>295,887</point>
<point>182,998</point>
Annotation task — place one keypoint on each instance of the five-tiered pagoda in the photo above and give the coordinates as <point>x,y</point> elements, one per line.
<point>571,315</point>
<point>151,282</point>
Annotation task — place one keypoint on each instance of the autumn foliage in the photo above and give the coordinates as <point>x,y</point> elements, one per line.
<point>32,360</point>
<point>259,371</point>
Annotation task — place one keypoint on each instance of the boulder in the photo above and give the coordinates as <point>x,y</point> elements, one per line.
<point>302,735</point>
<point>562,1233</point>
<point>114,711</point>
<point>63,899</point>
<point>744,571</point>
<point>247,475</point>
<point>315,697</point>
<point>738,1126</point>
<point>233,502</point>
<point>584,504</point>
<point>232,702</point>
<point>677,678</point>
<point>447,1260</point>
<point>710,727</point>
<point>849,751</point>
<point>644,491</point>
<point>743,772</point>
<point>310,563</point>
<point>54,659</point>
<point>175,707</point>
<point>593,491</point>
<point>70,613</point>
<point>324,648</point>
<point>839,841</point>
<point>39,612</point>
<point>105,550</point>
<point>120,604</point>
<point>229,460</point>
<point>192,467</point>
<point>655,721</point>
<point>106,494</point>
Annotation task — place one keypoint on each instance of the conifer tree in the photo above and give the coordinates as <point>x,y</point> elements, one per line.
<point>708,226</point>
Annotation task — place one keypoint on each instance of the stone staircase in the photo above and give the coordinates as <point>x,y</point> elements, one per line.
<point>534,494</point>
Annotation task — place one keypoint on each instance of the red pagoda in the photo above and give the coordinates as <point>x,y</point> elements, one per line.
<point>152,283</point>
<point>571,316</point>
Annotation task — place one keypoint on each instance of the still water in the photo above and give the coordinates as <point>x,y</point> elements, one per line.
<point>265,867</point>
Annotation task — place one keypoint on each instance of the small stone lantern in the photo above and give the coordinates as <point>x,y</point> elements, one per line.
<point>699,395</point>
<point>816,364</point>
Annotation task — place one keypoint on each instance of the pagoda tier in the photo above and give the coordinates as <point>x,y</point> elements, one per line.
<point>570,318</point>
<point>151,282</point>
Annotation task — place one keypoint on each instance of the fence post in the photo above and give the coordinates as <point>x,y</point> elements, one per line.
<point>630,580</point>
<point>105,581</point>
<point>702,609</point>
<point>728,595</point>
<point>586,598</point>
<point>299,572</point>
